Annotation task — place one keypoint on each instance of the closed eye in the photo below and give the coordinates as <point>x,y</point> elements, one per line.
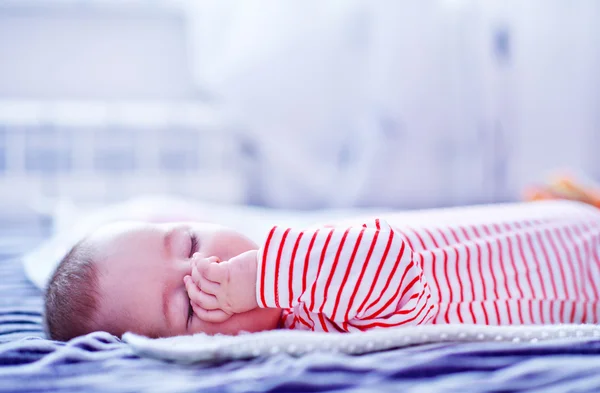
<point>194,244</point>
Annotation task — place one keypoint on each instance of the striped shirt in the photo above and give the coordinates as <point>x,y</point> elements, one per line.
<point>507,264</point>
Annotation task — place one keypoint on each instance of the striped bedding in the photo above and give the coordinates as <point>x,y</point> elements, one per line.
<point>102,363</point>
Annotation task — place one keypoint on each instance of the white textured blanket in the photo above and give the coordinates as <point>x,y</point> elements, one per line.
<point>201,347</point>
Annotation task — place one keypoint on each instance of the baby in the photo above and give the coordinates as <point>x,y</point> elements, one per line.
<point>524,264</point>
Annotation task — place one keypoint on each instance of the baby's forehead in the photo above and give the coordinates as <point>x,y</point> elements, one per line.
<point>115,240</point>
<point>122,228</point>
<point>114,233</point>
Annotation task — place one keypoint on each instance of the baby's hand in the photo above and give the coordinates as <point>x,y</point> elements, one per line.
<point>218,290</point>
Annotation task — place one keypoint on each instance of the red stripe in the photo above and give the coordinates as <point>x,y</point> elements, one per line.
<point>376,278</point>
<point>435,243</point>
<point>503,268</point>
<point>574,279</point>
<point>495,285</point>
<point>482,280</point>
<point>435,276</point>
<point>527,275</point>
<point>302,321</point>
<point>417,295</point>
<point>408,241</point>
<point>396,293</point>
<point>368,259</point>
<point>471,283</point>
<point>511,256</point>
<point>323,323</point>
<point>307,260</point>
<point>586,246</point>
<point>402,322</point>
<point>563,276</point>
<point>486,230</point>
<point>538,268</point>
<point>332,271</point>
<point>509,311</point>
<point>509,231</point>
<point>392,275</point>
<point>460,284</point>
<point>464,232</point>
<point>420,239</point>
<point>323,252</point>
<point>433,267</point>
<point>595,302</point>
<point>470,276</point>
<point>550,272</point>
<point>597,264</point>
<point>518,225</point>
<point>446,275</point>
<point>531,308</point>
<point>305,323</point>
<point>477,234</point>
<point>277,266</point>
<point>485,315</point>
<point>458,276</point>
<point>312,324</point>
<point>451,292</point>
<point>409,287</point>
<point>337,327</point>
<point>453,235</point>
<point>425,316</point>
<point>581,269</point>
<point>443,237</point>
<point>348,269</point>
<point>291,297</point>
<point>264,268</point>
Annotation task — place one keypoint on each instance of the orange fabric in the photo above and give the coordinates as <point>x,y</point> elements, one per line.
<point>566,186</point>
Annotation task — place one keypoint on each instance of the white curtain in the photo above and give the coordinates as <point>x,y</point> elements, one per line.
<point>402,103</point>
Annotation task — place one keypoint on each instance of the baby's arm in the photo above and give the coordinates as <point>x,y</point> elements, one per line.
<point>358,274</point>
<point>366,274</point>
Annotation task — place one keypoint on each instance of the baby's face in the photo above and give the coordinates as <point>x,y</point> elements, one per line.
<point>141,268</point>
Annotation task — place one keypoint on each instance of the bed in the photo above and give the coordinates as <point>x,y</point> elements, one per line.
<point>100,362</point>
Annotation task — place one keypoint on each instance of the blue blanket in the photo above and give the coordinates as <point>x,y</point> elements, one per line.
<point>101,362</point>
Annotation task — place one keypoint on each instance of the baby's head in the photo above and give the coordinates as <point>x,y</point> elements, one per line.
<point>129,277</point>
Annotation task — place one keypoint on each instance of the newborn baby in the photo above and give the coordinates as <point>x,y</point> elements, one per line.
<point>538,264</point>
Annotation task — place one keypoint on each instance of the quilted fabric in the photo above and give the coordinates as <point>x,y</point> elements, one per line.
<point>201,347</point>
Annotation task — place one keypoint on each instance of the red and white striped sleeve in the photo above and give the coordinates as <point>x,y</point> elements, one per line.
<point>364,274</point>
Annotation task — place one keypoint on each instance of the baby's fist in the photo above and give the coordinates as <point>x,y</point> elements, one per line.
<point>224,288</point>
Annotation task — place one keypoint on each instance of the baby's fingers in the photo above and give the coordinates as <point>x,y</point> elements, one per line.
<point>196,295</point>
<point>217,272</point>
<point>214,316</point>
<point>213,270</point>
<point>205,285</point>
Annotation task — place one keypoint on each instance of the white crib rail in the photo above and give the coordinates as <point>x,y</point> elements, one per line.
<point>104,151</point>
